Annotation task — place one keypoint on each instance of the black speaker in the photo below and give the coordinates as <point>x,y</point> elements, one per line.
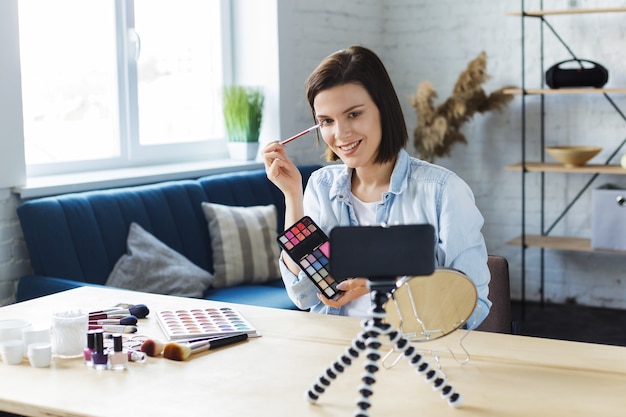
<point>580,73</point>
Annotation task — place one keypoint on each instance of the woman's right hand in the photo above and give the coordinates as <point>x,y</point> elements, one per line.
<point>285,175</point>
<point>281,170</point>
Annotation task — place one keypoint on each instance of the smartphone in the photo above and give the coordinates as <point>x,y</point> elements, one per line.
<point>309,247</point>
<point>383,252</point>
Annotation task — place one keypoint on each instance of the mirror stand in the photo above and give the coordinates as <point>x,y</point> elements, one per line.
<point>428,308</point>
<point>368,341</point>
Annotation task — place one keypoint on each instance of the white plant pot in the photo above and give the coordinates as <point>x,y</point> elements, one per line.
<point>243,151</point>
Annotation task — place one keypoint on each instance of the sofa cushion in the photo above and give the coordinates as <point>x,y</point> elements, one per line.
<point>243,241</point>
<point>152,266</point>
<point>270,294</point>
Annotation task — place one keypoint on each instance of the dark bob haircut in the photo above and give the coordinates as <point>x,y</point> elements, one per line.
<point>360,65</point>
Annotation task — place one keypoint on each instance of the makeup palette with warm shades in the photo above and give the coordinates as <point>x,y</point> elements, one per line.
<point>309,246</point>
<point>203,322</point>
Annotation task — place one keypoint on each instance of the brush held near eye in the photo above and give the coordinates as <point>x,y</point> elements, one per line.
<point>297,135</point>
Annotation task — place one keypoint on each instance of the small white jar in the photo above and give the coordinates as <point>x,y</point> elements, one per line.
<point>12,351</point>
<point>40,354</point>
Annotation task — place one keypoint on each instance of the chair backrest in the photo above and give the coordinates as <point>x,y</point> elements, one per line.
<point>499,318</point>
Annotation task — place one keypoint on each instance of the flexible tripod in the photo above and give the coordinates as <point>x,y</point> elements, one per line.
<point>367,341</point>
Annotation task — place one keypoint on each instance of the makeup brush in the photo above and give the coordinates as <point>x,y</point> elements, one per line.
<point>182,352</point>
<point>140,311</point>
<point>297,135</point>
<point>152,347</point>
<point>128,320</point>
<point>113,328</point>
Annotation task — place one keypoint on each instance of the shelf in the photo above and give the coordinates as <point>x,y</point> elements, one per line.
<point>555,167</point>
<point>539,13</point>
<point>547,241</point>
<point>585,90</point>
<point>576,244</point>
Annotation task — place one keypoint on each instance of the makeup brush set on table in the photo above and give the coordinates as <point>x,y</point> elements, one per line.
<point>190,331</point>
<point>186,332</point>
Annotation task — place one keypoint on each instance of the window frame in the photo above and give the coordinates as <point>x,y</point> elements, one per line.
<point>132,153</point>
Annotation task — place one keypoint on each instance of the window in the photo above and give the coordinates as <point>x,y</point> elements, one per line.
<point>112,83</point>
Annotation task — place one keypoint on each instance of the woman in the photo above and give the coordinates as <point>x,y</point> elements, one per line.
<point>361,123</point>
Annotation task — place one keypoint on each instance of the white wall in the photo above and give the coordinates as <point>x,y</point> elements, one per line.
<point>426,40</point>
<point>12,168</point>
<point>13,256</point>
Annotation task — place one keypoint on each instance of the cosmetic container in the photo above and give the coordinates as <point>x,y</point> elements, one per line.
<point>69,329</point>
<point>99,356</point>
<point>136,356</point>
<point>91,345</point>
<point>118,359</point>
<point>39,354</point>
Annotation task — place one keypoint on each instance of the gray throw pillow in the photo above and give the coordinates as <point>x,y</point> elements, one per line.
<point>152,266</point>
<point>243,240</point>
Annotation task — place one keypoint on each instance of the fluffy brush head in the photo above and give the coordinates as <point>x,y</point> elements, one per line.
<point>176,351</point>
<point>152,347</point>
<point>139,310</point>
<point>129,320</point>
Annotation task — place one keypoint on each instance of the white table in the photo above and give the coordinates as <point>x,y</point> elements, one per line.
<point>269,375</point>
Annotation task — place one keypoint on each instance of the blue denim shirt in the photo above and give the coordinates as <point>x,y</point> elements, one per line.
<point>419,192</point>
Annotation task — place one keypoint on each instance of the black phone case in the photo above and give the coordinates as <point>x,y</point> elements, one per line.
<point>309,247</point>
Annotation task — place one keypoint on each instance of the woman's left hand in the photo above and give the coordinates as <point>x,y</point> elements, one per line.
<point>352,288</point>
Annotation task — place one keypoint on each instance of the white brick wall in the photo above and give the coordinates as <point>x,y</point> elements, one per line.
<point>13,255</point>
<point>427,40</point>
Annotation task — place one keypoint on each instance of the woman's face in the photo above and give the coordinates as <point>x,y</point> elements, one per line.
<point>349,123</point>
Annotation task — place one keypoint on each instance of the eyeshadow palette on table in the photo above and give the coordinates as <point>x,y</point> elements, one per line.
<point>309,247</point>
<point>203,322</point>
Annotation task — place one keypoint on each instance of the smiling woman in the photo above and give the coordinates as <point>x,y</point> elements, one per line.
<point>353,99</point>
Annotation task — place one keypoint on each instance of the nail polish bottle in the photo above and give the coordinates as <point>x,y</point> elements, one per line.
<point>91,343</point>
<point>118,360</point>
<point>99,356</point>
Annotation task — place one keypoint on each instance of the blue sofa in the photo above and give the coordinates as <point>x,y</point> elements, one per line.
<point>76,239</point>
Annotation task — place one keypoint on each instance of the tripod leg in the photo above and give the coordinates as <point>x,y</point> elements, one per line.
<point>423,368</point>
<point>323,382</point>
<point>368,341</point>
<point>373,328</point>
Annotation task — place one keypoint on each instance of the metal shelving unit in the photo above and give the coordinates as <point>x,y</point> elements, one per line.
<point>544,240</point>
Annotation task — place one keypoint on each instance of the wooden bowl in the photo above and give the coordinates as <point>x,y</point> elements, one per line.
<point>573,156</point>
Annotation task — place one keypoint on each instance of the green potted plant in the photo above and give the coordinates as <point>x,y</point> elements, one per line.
<point>243,114</point>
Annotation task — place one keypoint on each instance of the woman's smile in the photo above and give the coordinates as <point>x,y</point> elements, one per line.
<point>349,147</point>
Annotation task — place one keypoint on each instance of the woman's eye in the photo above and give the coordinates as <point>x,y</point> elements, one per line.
<point>354,114</point>
<point>325,122</point>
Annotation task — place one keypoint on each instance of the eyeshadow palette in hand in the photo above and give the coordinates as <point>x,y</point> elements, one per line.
<point>308,246</point>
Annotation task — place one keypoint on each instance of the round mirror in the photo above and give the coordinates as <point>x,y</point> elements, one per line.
<point>425,308</point>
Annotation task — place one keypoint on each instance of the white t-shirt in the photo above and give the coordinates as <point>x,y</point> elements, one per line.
<point>366,216</point>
